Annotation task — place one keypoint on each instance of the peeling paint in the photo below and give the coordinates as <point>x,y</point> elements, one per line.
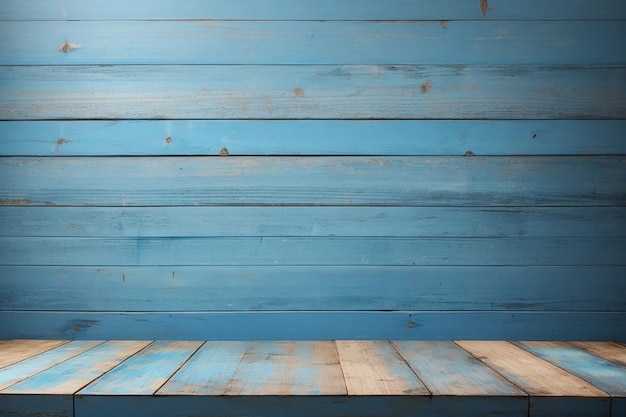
<point>484,7</point>
<point>68,47</point>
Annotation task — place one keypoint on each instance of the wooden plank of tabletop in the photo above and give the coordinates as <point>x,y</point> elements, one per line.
<point>552,390</point>
<point>145,372</point>
<point>611,351</point>
<point>376,368</point>
<point>22,370</point>
<point>288,368</point>
<point>73,374</point>
<point>208,371</point>
<point>13,351</point>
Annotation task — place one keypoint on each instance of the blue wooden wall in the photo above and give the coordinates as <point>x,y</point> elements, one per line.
<point>288,169</point>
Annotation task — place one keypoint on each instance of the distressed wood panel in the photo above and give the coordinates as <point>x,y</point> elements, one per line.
<point>302,288</point>
<point>70,376</point>
<point>145,372</point>
<point>389,181</point>
<point>611,351</point>
<point>312,137</point>
<point>235,42</point>
<point>14,351</point>
<point>143,222</point>
<point>286,368</point>
<point>312,92</point>
<point>323,10</point>
<point>553,391</point>
<point>33,365</point>
<point>312,251</point>
<point>316,325</point>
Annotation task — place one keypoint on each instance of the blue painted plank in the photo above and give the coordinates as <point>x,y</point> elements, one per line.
<point>133,222</point>
<point>313,137</point>
<point>208,372</point>
<point>340,288</point>
<point>145,372</point>
<point>24,405</point>
<point>14,351</point>
<point>388,181</point>
<point>323,10</point>
<point>20,371</point>
<point>312,92</point>
<point>258,251</point>
<point>316,325</point>
<point>271,42</point>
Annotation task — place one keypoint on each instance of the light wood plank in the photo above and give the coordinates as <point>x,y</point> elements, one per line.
<point>312,137</point>
<point>500,92</point>
<point>146,372</point>
<point>20,371</point>
<point>13,351</point>
<point>375,368</point>
<point>611,351</point>
<point>448,370</point>
<point>534,375</point>
<point>70,376</point>
<point>208,371</point>
<point>288,368</point>
<point>323,10</point>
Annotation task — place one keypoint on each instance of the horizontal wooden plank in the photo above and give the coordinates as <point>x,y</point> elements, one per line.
<point>312,251</point>
<point>282,288</point>
<point>14,351</point>
<point>133,222</point>
<point>24,405</point>
<point>312,325</point>
<point>323,10</point>
<point>312,137</point>
<point>20,371</point>
<point>70,376</point>
<point>288,368</point>
<point>319,42</point>
<point>145,372</point>
<point>312,92</point>
<point>388,181</point>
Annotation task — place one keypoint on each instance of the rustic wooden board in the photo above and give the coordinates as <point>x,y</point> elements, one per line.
<point>553,392</point>
<point>312,92</point>
<point>448,370</point>
<point>322,325</point>
<point>20,371</point>
<point>145,372</point>
<point>376,368</point>
<point>208,372</point>
<point>14,351</point>
<point>312,137</point>
<point>288,368</point>
<point>313,221</point>
<point>303,288</point>
<point>388,181</point>
<point>320,42</point>
<point>323,10</point>
<point>611,351</point>
<point>266,251</point>
<point>70,376</point>
<point>24,405</point>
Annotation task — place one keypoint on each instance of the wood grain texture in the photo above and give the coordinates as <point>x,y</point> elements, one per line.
<point>323,10</point>
<point>312,92</point>
<point>312,221</point>
<point>311,288</point>
<point>611,351</point>
<point>320,43</point>
<point>20,371</point>
<point>376,368</point>
<point>208,372</point>
<point>386,181</point>
<point>288,368</point>
<point>14,351</point>
<point>448,370</point>
<point>70,376</point>
<point>145,372</point>
<point>312,137</point>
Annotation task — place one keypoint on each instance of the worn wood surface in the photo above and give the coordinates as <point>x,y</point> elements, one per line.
<point>312,137</point>
<point>14,351</point>
<point>323,10</point>
<point>612,351</point>
<point>312,92</point>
